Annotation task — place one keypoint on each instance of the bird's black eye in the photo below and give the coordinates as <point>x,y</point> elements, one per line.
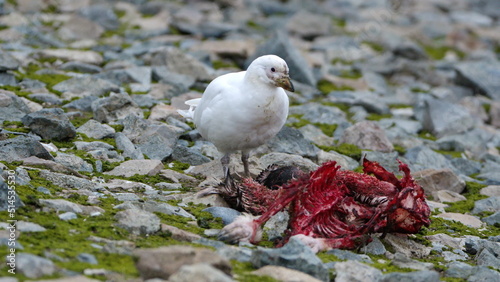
<point>273,69</point>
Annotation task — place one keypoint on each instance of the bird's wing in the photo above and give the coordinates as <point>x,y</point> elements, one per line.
<point>216,95</point>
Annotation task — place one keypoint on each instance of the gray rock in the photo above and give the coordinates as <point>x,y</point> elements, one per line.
<point>67,206</point>
<point>96,130</point>
<point>466,166</point>
<point>155,140</point>
<point>471,18</point>
<point>164,261</point>
<point>180,62</point>
<point>352,270</point>
<point>7,79</point>
<point>115,107</point>
<point>308,25</point>
<point>318,113</point>
<point>294,255</point>
<point>87,258</point>
<point>199,272</point>
<point>484,274</point>
<point>69,181</point>
<point>443,118</point>
<point>73,162</point>
<point>141,167</point>
<point>152,206</point>
<point>102,14</point>
<point>422,157</point>
<point>33,266</point>
<point>491,204</point>
<point>68,216</point>
<point>433,180</point>
<point>282,159</point>
<point>367,135</point>
<point>134,76</point>
<point>488,257</point>
<point>129,149</point>
<point>83,104</point>
<point>188,155</point>
<point>489,171</point>
<point>50,124</point>
<point>291,141</point>
<point>480,76</point>
<point>415,276</point>
<point>492,219</point>
<point>474,142</point>
<point>315,135</point>
<point>144,100</point>
<point>24,226</point>
<point>365,99</point>
<point>280,44</point>
<point>348,255</point>
<point>94,145</point>
<point>226,214</point>
<point>85,86</point>
<point>276,226</point>
<point>48,98</point>
<point>375,247</point>
<point>21,147</point>
<point>401,260</point>
<point>458,269</point>
<point>7,62</point>
<point>80,67</point>
<point>12,107</point>
<point>181,82</point>
<point>138,222</point>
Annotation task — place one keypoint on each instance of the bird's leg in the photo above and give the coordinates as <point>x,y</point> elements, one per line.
<point>225,165</point>
<point>244,159</point>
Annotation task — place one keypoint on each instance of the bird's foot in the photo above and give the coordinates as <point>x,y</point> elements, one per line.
<point>242,229</point>
<point>316,244</point>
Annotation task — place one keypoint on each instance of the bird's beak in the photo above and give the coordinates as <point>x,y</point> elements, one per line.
<point>285,83</point>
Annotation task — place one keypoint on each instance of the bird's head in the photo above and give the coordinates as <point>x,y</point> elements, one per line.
<point>273,70</point>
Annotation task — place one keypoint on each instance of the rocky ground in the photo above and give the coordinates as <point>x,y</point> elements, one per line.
<point>106,172</point>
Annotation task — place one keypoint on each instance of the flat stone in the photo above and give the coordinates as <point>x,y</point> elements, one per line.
<point>67,206</point>
<point>138,222</point>
<point>465,219</point>
<point>33,266</point>
<point>85,86</point>
<point>199,272</point>
<point>352,270</point>
<point>164,261</point>
<point>480,76</point>
<point>89,57</point>
<point>283,274</point>
<point>141,167</point>
<point>96,130</point>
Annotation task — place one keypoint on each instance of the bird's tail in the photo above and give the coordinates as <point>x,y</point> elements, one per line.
<point>192,105</point>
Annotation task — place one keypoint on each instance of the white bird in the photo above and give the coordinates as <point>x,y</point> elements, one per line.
<point>243,110</point>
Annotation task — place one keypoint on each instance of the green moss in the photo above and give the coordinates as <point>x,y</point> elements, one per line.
<point>117,127</point>
<point>16,126</point>
<point>79,121</point>
<point>223,64</point>
<point>351,74</point>
<point>326,87</point>
<point>418,90</point>
<point>327,129</point>
<point>341,61</point>
<point>254,25</point>
<point>427,135</point>
<point>454,228</point>
<point>400,149</point>
<point>339,22</point>
<point>375,46</point>
<point>385,265</point>
<point>453,154</point>
<point>204,219</point>
<point>147,114</point>
<point>350,150</point>
<point>242,271</point>
<point>377,117</point>
<point>438,52</point>
<point>399,106</point>
<point>486,107</point>
<point>16,89</point>
<point>178,166</point>
<point>471,192</point>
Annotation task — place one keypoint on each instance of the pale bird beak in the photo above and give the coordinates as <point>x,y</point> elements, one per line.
<point>285,83</point>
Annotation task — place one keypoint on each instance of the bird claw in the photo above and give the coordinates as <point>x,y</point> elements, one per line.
<point>242,229</point>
